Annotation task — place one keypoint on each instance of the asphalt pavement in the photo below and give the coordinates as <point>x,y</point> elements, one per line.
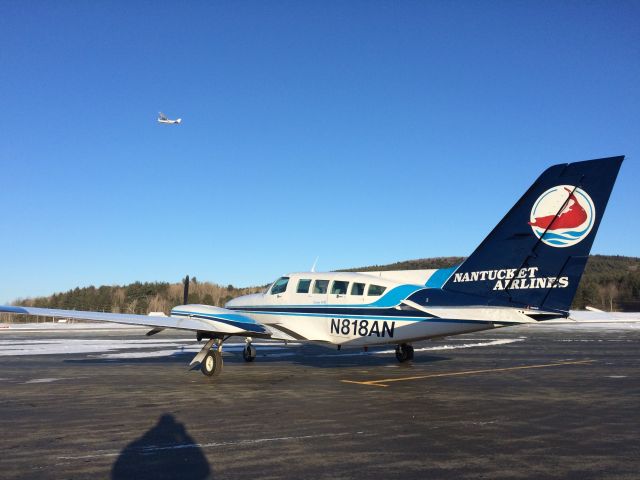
<point>528,402</point>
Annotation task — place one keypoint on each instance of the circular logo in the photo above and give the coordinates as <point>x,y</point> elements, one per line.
<point>562,216</point>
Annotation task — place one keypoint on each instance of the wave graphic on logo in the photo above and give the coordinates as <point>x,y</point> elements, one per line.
<point>568,227</point>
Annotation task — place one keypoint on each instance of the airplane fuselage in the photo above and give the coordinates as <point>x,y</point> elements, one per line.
<point>352,309</point>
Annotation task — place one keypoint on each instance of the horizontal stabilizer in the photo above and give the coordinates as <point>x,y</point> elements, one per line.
<point>498,315</point>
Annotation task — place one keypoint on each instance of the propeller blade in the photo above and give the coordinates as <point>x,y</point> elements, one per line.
<point>186,291</point>
<point>154,331</point>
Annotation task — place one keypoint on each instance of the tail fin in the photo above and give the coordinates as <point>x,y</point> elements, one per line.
<point>536,255</point>
<point>179,121</point>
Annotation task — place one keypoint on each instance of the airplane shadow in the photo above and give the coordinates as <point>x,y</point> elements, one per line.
<point>166,451</point>
<point>305,355</point>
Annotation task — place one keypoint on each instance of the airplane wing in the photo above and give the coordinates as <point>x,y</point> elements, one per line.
<point>161,116</point>
<point>215,320</point>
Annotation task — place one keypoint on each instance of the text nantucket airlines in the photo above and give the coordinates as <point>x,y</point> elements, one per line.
<point>513,278</point>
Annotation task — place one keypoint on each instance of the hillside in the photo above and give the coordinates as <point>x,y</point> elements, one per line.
<point>609,283</point>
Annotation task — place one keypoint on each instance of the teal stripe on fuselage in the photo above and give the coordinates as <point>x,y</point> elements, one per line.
<point>394,296</point>
<point>440,276</point>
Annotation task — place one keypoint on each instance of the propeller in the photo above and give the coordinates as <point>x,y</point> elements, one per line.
<point>185,297</point>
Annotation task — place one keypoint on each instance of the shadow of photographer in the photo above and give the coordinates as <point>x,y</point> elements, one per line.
<point>165,451</point>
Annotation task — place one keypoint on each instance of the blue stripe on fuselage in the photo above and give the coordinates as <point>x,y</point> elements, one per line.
<point>362,317</point>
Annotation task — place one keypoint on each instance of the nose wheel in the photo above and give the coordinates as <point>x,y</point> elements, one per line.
<point>249,352</point>
<point>404,352</point>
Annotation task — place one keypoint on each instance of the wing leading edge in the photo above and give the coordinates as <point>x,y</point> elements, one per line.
<point>215,320</point>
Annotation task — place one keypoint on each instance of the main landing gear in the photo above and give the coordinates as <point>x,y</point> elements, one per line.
<point>404,352</point>
<point>210,357</point>
<point>212,363</point>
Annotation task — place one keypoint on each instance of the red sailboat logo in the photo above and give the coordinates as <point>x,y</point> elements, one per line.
<point>573,216</point>
<point>562,216</point>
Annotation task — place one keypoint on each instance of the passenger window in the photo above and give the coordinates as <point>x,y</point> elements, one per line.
<point>339,287</point>
<point>303,286</point>
<point>280,285</point>
<point>375,290</point>
<point>357,289</point>
<point>320,286</point>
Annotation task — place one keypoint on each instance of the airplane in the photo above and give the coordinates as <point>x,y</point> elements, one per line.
<point>525,271</point>
<point>162,118</point>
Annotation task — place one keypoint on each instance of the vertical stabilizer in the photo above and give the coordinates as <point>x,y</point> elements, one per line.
<point>536,255</point>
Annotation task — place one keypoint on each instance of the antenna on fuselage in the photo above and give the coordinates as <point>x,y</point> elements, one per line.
<point>313,267</point>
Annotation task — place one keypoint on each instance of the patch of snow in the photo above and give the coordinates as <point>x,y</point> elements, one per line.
<point>42,380</point>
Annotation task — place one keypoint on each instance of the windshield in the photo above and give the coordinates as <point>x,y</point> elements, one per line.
<point>280,285</point>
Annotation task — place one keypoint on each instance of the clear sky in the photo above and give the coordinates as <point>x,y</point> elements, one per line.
<point>359,132</point>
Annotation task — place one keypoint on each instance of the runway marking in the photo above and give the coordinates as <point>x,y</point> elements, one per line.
<point>153,448</point>
<point>384,381</point>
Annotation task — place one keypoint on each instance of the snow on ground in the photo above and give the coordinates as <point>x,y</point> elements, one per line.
<point>144,347</point>
<point>65,327</point>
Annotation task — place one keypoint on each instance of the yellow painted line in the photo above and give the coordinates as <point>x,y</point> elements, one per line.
<point>383,382</point>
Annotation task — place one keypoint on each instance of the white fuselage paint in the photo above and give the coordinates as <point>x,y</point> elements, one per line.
<point>357,317</point>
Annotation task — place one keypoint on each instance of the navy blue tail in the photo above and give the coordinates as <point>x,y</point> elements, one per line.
<point>536,255</point>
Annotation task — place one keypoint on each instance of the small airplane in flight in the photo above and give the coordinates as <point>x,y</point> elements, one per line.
<point>526,270</point>
<point>162,118</point>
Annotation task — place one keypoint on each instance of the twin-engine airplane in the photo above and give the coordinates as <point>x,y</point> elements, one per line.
<point>162,118</point>
<point>526,270</point>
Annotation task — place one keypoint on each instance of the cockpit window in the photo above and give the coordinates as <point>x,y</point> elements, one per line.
<point>280,285</point>
<point>339,287</point>
<point>320,286</point>
<point>357,289</point>
<point>303,285</point>
<point>376,290</point>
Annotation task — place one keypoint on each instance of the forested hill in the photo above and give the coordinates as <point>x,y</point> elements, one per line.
<point>609,282</point>
<point>139,297</point>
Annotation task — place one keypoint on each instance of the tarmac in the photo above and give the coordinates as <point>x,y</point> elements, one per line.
<point>528,402</point>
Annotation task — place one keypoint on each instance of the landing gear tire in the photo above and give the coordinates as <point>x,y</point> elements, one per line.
<point>249,353</point>
<point>212,363</point>
<point>404,352</point>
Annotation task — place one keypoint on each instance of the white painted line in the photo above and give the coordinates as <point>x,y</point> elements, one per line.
<point>254,441</point>
<point>42,380</point>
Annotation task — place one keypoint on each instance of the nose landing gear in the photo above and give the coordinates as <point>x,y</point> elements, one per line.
<point>249,352</point>
<point>404,352</point>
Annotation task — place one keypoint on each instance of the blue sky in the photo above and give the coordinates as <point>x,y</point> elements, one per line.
<point>357,132</point>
